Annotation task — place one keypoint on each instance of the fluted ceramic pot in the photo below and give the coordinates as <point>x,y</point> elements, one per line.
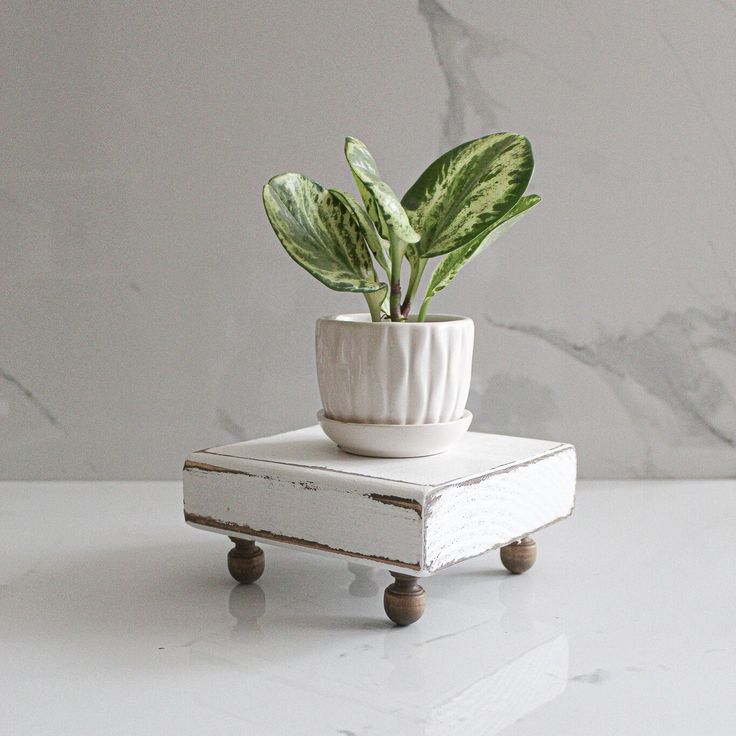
<point>397,375</point>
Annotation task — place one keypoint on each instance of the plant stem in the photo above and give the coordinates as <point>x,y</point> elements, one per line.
<point>417,269</point>
<point>423,311</point>
<point>397,254</point>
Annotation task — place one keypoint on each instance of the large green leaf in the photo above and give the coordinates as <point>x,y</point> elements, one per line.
<point>455,260</point>
<point>377,245</point>
<point>320,233</point>
<point>384,207</point>
<point>466,190</point>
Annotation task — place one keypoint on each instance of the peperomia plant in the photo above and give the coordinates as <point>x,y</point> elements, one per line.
<point>463,201</point>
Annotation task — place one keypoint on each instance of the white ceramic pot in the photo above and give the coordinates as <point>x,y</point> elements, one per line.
<point>391,373</point>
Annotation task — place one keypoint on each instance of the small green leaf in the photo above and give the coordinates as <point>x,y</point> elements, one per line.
<point>376,300</point>
<point>320,233</point>
<point>377,245</point>
<point>465,191</point>
<point>384,207</point>
<point>455,260</point>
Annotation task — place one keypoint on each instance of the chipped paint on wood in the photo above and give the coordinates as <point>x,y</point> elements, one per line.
<point>306,485</point>
<point>469,519</point>
<point>420,515</point>
<point>308,543</point>
<point>194,465</point>
<point>403,503</point>
<point>449,562</point>
<point>294,509</point>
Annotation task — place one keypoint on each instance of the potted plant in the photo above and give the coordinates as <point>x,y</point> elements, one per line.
<point>394,383</point>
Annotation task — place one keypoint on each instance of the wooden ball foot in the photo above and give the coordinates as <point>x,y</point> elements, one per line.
<point>518,557</point>
<point>245,560</point>
<point>404,600</point>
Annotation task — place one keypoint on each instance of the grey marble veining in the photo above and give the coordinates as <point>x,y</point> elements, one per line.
<point>146,308</point>
<point>662,380</point>
<point>28,395</point>
<point>459,46</point>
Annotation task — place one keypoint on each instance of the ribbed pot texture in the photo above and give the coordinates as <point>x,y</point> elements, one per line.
<point>394,372</point>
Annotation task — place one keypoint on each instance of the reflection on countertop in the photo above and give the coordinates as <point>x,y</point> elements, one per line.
<point>117,616</point>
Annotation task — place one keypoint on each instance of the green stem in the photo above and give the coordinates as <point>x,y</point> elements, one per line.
<point>397,254</point>
<point>423,311</point>
<point>417,270</point>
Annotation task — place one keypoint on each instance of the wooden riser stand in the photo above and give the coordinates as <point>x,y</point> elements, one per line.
<point>412,517</point>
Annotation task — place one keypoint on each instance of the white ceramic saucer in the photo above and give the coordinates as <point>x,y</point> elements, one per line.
<point>394,440</point>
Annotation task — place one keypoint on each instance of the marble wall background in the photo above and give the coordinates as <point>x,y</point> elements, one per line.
<point>146,309</point>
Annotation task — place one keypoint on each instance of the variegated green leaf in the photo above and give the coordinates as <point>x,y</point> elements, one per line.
<point>382,204</point>
<point>412,253</point>
<point>377,302</point>
<point>320,233</point>
<point>372,208</point>
<point>465,191</point>
<point>378,246</point>
<point>455,260</point>
<point>365,162</point>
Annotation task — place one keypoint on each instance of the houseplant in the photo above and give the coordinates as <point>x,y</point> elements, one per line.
<point>394,382</point>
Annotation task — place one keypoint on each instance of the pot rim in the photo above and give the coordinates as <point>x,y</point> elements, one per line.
<point>364,319</point>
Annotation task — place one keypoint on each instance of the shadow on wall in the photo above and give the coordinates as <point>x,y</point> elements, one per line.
<point>516,405</point>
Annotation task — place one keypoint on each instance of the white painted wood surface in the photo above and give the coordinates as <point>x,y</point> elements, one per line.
<point>418,514</point>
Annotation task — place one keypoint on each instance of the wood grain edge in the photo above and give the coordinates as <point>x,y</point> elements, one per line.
<point>433,569</point>
<point>207,521</point>
<point>560,449</point>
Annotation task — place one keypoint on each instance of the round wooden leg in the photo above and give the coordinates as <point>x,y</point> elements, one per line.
<point>245,561</point>
<point>518,557</point>
<point>404,599</point>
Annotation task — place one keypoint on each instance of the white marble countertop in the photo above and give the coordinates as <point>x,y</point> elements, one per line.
<point>117,618</point>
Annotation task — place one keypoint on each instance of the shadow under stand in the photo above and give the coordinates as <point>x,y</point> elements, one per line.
<point>412,517</point>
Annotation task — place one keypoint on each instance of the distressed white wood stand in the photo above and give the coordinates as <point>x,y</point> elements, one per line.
<point>411,516</point>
